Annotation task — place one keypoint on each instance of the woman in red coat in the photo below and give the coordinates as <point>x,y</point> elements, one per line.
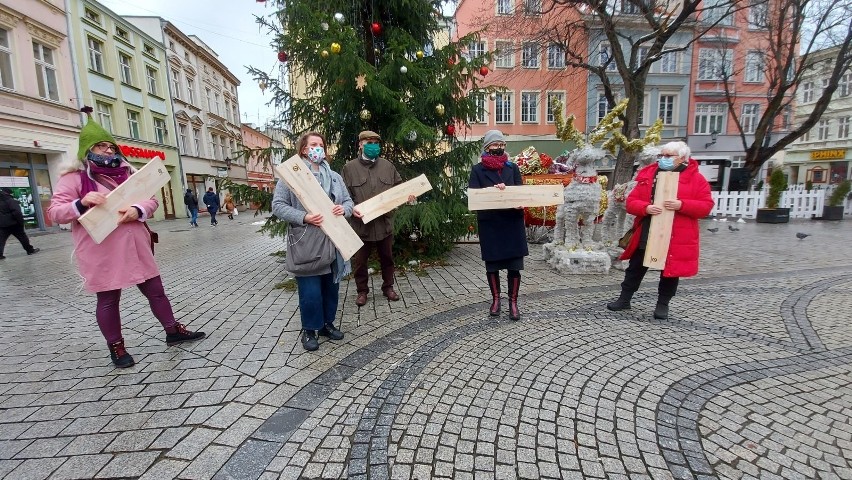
<point>693,202</point>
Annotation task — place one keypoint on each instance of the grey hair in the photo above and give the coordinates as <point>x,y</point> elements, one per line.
<point>681,149</point>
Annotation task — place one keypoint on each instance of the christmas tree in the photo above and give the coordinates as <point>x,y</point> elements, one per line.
<point>377,65</point>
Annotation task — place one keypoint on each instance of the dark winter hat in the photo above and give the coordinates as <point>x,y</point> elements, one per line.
<point>492,136</point>
<point>368,134</point>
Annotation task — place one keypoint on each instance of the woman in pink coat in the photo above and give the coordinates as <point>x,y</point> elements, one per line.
<point>124,258</point>
<point>693,202</point>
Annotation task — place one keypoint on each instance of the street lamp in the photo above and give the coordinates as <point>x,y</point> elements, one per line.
<point>713,135</point>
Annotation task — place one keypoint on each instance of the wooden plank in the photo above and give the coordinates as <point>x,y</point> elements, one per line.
<point>102,220</point>
<point>303,183</point>
<point>660,233</point>
<point>515,196</point>
<point>391,198</point>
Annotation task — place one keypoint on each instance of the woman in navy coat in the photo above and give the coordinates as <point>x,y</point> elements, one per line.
<point>502,235</point>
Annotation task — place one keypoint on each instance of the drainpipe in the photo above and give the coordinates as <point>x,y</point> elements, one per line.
<point>78,89</point>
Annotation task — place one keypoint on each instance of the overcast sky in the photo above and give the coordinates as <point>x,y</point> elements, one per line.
<point>229,28</point>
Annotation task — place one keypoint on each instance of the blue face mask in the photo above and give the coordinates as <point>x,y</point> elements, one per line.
<point>666,163</point>
<point>372,150</point>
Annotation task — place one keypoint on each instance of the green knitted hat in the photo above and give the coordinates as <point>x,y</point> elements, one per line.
<point>91,134</point>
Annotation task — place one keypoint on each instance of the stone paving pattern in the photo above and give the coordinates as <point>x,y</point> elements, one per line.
<point>751,377</point>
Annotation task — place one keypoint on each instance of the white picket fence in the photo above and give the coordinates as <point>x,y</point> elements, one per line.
<point>802,203</point>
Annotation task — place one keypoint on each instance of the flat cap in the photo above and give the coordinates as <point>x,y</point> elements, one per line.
<point>368,134</point>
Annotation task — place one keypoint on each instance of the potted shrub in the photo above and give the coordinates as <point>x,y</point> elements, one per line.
<point>833,210</point>
<point>773,213</point>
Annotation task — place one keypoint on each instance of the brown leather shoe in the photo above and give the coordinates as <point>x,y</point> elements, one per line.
<point>392,296</point>
<point>361,300</point>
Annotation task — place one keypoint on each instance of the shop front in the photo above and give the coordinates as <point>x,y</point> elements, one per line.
<point>28,176</point>
<point>171,200</point>
<point>819,167</point>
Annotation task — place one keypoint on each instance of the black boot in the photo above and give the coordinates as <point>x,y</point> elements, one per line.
<point>331,332</point>
<point>514,286</point>
<point>119,355</point>
<point>181,334</point>
<point>494,285</point>
<point>309,340</point>
<point>661,311</point>
<point>623,302</point>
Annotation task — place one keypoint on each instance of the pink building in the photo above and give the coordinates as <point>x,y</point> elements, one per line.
<point>39,108</point>
<point>532,71</point>
<point>259,173</point>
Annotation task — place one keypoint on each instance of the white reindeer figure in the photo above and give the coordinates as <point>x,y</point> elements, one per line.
<point>616,219</point>
<point>582,199</point>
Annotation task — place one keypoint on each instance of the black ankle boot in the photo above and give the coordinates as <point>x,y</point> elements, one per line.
<point>181,334</point>
<point>514,287</point>
<point>623,302</point>
<point>309,340</point>
<point>661,311</point>
<point>494,285</point>
<point>119,355</point>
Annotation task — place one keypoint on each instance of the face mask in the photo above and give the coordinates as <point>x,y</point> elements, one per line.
<point>665,163</point>
<point>496,152</point>
<point>111,161</point>
<point>372,150</point>
<point>316,154</point>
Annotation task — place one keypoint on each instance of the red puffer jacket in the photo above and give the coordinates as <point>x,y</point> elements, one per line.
<point>694,191</point>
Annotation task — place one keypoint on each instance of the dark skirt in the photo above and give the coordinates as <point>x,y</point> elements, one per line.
<point>516,263</point>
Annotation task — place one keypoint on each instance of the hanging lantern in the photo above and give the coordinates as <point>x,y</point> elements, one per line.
<point>483,70</point>
<point>365,115</point>
<point>376,28</point>
<point>450,130</point>
<point>338,17</point>
<point>403,69</point>
<point>282,56</point>
<point>419,54</point>
<point>439,109</point>
<point>335,47</point>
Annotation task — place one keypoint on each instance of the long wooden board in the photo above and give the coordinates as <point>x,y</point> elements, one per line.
<point>375,207</point>
<point>303,183</point>
<point>515,196</point>
<point>102,220</point>
<point>660,233</point>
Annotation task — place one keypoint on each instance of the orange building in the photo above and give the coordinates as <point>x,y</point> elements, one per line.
<point>259,173</point>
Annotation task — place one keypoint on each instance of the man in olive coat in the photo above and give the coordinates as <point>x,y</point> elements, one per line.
<point>365,177</point>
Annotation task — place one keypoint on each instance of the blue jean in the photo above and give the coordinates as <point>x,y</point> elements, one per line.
<point>212,216</point>
<point>193,212</point>
<point>317,300</point>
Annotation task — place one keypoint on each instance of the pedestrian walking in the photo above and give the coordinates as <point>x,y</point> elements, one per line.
<point>502,234</point>
<point>12,223</point>
<point>191,202</point>
<point>694,201</point>
<point>229,205</point>
<point>211,200</point>
<point>125,257</point>
<point>311,256</point>
<point>365,177</point>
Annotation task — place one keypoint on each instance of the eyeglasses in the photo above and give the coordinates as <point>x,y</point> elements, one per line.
<point>105,146</point>
<point>666,155</point>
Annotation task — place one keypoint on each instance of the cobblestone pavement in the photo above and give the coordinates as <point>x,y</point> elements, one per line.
<point>751,377</point>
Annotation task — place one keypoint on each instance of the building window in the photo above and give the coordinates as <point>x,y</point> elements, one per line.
<point>151,77</point>
<point>122,34</point>
<point>504,7</point>
<point>755,67</point>
<point>606,57</point>
<point>532,7</point>
<point>133,124</point>
<point>216,103</point>
<point>641,55</point>
<point>806,137</point>
<point>843,127</point>
<point>475,50</point>
<point>529,107</point>
<point>714,64</point>
<point>668,62</point>
<point>505,55</point>
<point>807,92</point>
<point>603,106</point>
<point>172,45</point>
<point>720,11</point>
<point>552,97</point>
<point>225,154</point>
<point>555,56</point>
<point>104,112</point>
<point>786,118</point>
<point>823,129</point>
<point>749,119</point>
<point>709,118</point>
<point>96,55</point>
<point>228,110</point>
<point>92,16</point>
<point>845,85</point>
<point>149,50</point>
<point>190,90</point>
<point>530,56</point>
<point>184,142</point>
<point>209,100</point>
<point>176,83</point>
<point>196,138</point>
<point>45,72</point>
<point>5,60</point>
<point>126,68</point>
<point>236,113</point>
<point>666,109</point>
<point>478,108</point>
<point>633,7</point>
<point>161,133</point>
<point>503,108</point>
<point>216,151</point>
<point>758,14</point>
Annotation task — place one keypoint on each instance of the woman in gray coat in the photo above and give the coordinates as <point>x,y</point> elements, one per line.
<point>311,257</point>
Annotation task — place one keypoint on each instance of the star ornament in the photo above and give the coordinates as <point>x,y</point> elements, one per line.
<point>360,82</point>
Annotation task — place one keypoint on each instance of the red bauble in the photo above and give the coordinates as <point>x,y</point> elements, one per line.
<point>483,70</point>
<point>282,56</point>
<point>376,28</point>
<point>451,61</point>
<point>450,130</point>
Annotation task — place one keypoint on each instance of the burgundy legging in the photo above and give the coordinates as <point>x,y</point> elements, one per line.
<point>109,318</point>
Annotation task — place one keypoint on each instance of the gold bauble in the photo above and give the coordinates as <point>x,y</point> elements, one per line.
<point>439,109</point>
<point>335,47</point>
<point>365,115</point>
<point>324,54</point>
<point>419,54</point>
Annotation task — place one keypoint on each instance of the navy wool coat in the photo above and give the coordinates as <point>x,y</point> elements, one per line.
<point>502,234</point>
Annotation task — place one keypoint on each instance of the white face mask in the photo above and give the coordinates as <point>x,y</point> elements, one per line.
<point>316,154</point>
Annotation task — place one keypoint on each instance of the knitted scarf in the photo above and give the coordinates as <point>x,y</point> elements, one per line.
<point>494,162</point>
<point>117,175</point>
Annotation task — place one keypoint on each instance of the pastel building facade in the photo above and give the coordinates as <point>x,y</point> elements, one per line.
<point>259,172</point>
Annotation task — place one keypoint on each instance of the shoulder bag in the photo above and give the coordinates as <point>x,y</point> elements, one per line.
<point>308,249</point>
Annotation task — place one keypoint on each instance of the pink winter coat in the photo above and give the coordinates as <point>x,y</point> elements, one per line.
<point>123,259</point>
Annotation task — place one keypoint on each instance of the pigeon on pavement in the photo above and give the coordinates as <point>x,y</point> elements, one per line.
<point>801,236</point>
<point>713,230</point>
<point>733,228</point>
<point>740,220</point>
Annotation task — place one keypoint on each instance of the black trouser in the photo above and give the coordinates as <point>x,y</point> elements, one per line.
<point>636,272</point>
<point>384,247</point>
<point>19,233</point>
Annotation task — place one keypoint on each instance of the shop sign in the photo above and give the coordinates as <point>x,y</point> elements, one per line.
<point>138,152</point>
<point>837,154</point>
<point>21,191</point>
